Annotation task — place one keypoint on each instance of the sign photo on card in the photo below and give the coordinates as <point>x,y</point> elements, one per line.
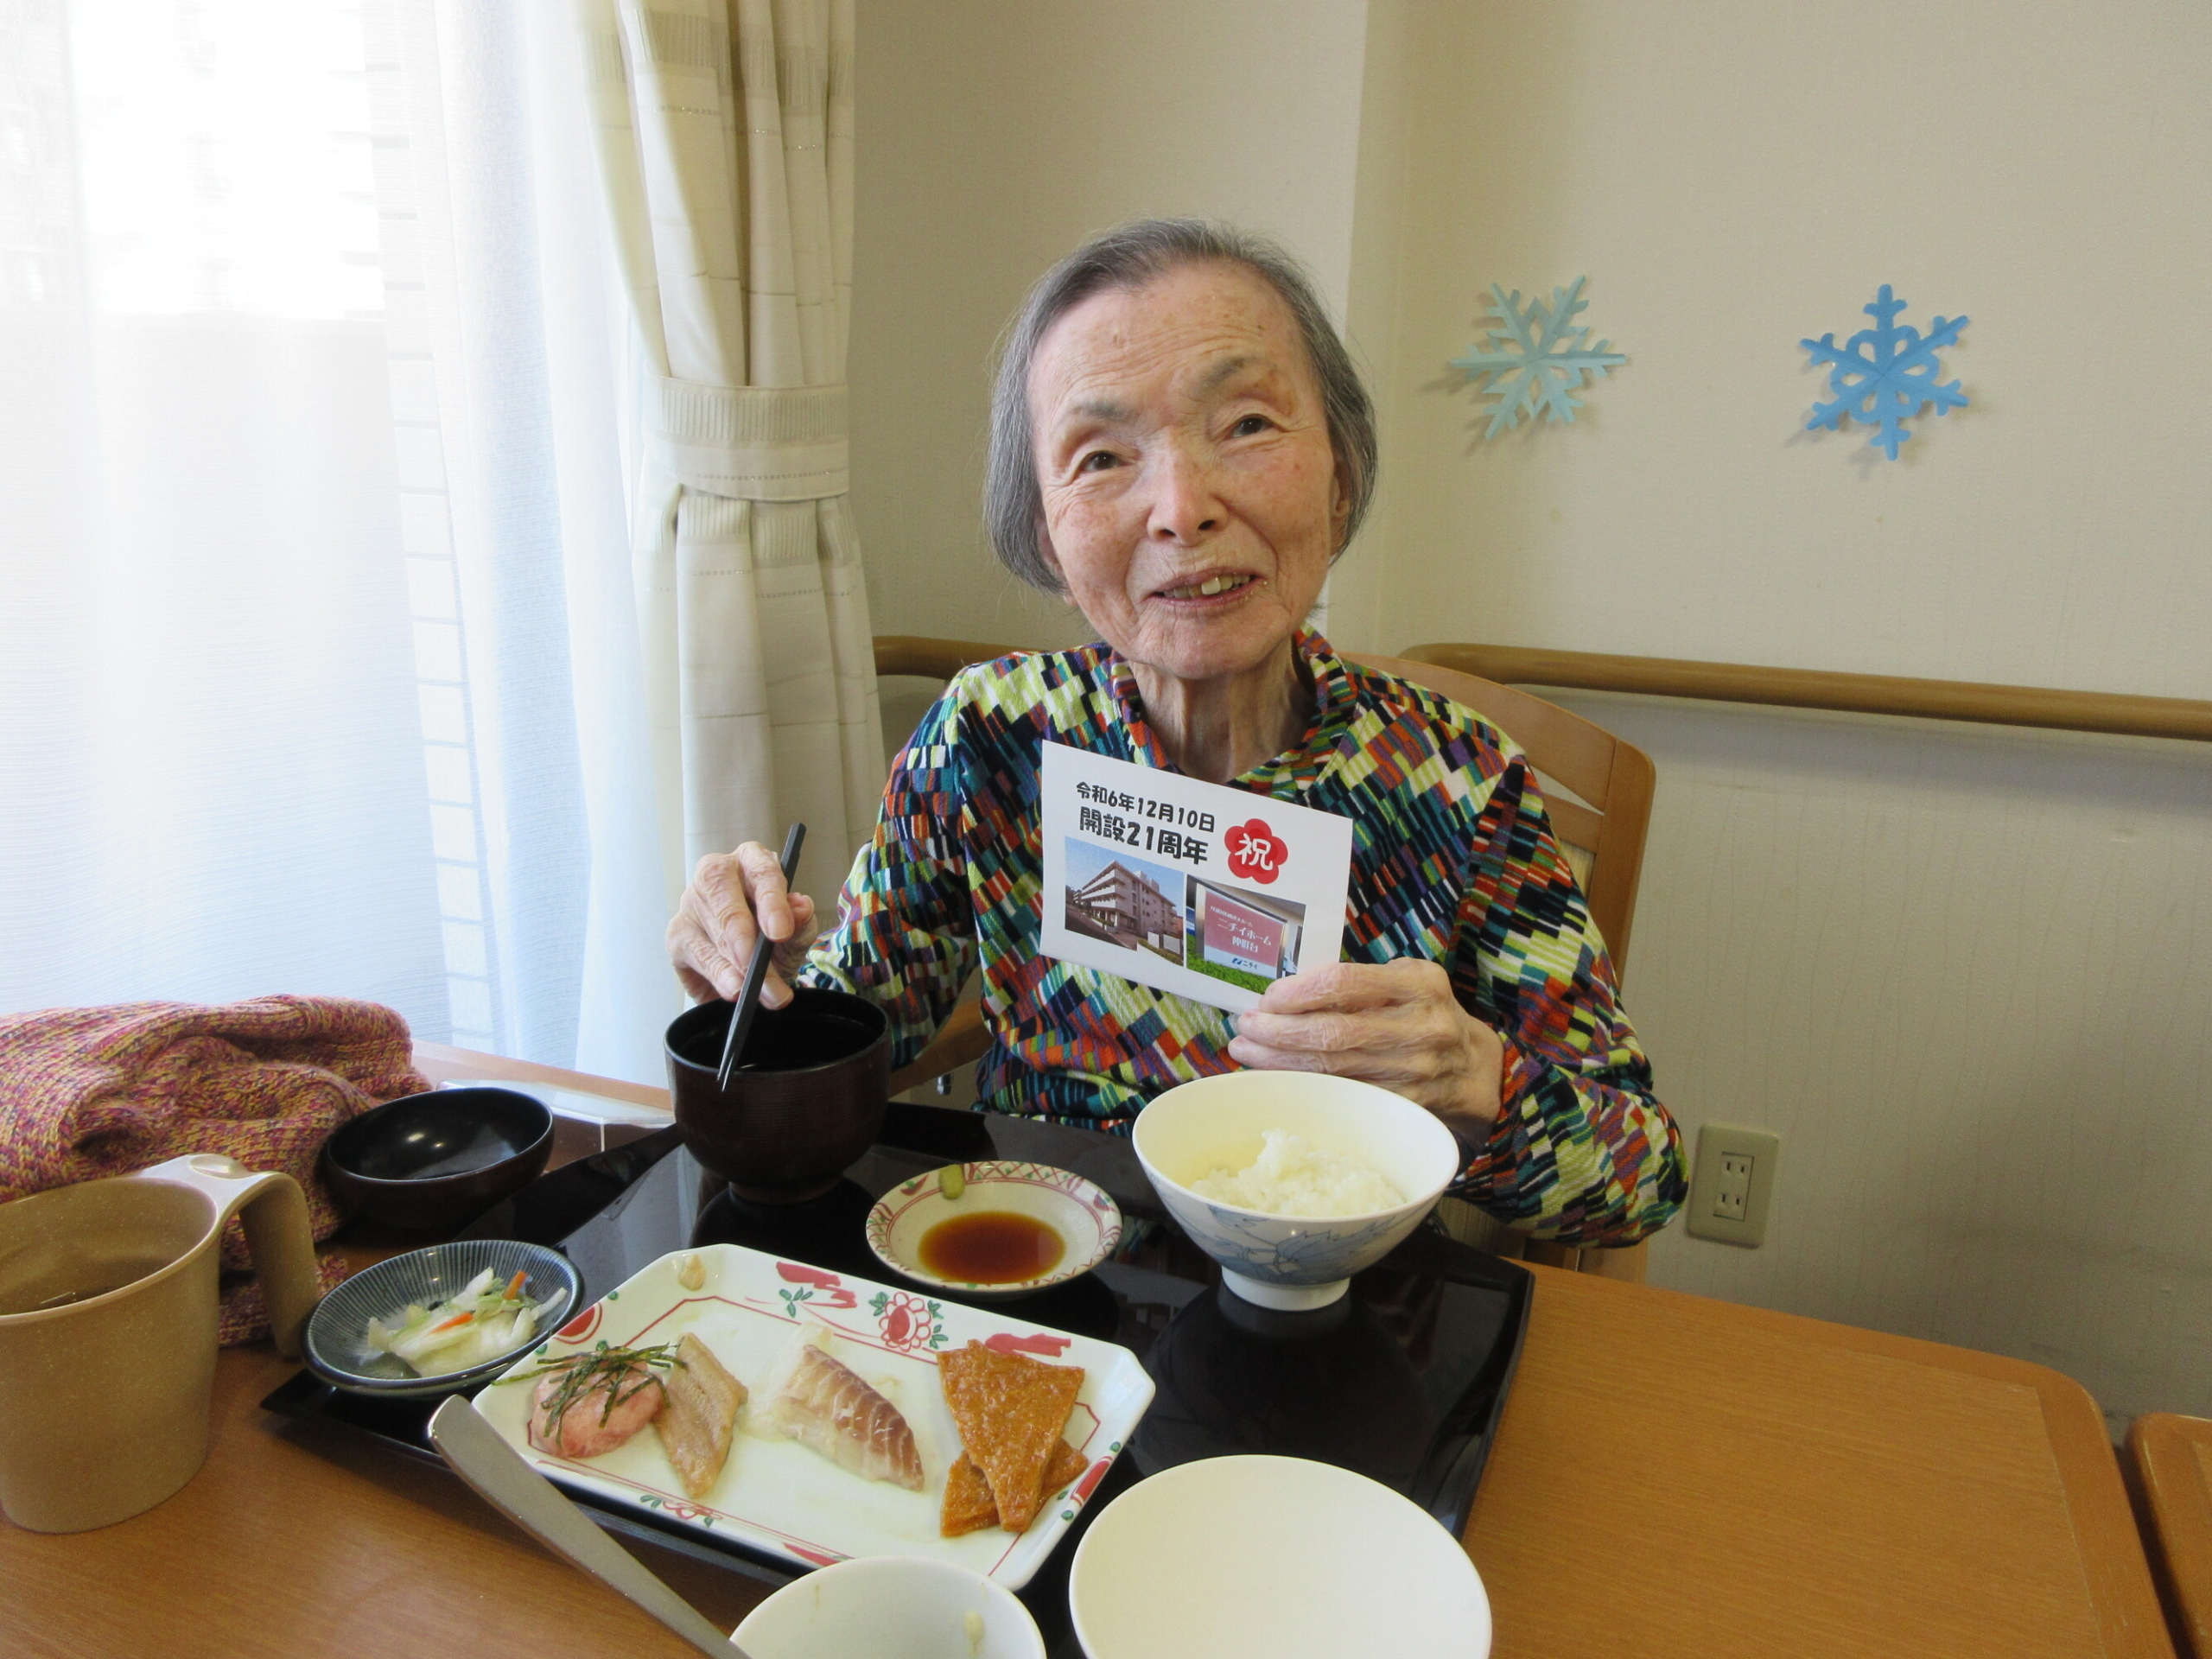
<point>1208,891</point>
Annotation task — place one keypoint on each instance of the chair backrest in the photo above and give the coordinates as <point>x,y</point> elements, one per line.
<point>1603,832</point>
<point>932,659</point>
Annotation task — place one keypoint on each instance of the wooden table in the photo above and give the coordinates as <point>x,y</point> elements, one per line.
<point>2169,1470</point>
<point>1673,1476</point>
<point>1680,1476</point>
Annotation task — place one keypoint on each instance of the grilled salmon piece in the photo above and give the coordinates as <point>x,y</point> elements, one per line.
<point>599,1418</point>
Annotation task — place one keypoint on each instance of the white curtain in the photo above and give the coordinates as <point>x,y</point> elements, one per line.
<point>320,661</point>
<point>725,140</point>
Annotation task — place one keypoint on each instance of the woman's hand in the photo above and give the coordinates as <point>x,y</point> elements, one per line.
<point>1393,1024</point>
<point>711,939</point>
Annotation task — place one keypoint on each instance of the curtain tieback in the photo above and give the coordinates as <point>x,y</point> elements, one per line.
<point>756,443</point>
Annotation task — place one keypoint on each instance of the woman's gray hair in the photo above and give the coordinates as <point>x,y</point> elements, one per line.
<point>1129,256</point>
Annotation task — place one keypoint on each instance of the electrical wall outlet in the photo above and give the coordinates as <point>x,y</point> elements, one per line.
<point>1731,1184</point>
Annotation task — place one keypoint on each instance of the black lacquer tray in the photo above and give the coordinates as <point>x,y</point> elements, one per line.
<point>1403,1379</point>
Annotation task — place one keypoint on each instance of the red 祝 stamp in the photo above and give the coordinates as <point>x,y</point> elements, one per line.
<point>1256,852</point>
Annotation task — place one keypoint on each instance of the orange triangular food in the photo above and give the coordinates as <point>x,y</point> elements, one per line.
<point>1010,1410</point>
<point>968,1504</point>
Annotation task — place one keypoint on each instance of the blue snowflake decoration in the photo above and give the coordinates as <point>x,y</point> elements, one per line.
<point>1534,361</point>
<point>1890,384</point>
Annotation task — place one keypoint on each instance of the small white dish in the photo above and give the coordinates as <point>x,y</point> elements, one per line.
<point>1291,1262</point>
<point>777,1495</point>
<point>903,1604</point>
<point>1272,1558</point>
<point>1088,1223</point>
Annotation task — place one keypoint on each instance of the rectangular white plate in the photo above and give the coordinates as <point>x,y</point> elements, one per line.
<point>777,1495</point>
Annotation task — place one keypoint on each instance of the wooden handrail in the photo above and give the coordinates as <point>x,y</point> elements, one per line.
<point>2110,712</point>
<point>932,659</point>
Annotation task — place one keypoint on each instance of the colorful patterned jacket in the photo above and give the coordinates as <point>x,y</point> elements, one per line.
<point>1454,860</point>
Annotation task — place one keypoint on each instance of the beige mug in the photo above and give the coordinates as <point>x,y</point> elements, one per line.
<point>107,1330</point>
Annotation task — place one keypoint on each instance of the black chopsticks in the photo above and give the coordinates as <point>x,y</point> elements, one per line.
<point>756,971</point>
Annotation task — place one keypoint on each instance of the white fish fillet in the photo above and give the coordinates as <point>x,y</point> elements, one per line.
<point>819,1402</point>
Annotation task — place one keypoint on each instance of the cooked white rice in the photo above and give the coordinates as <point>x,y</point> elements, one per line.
<point>1293,1177</point>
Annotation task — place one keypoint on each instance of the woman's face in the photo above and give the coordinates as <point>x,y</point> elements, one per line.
<point>1192,502</point>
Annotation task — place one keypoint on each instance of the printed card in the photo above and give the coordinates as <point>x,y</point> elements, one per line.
<point>1212,892</point>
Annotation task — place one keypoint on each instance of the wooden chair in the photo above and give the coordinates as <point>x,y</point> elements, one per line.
<point>1602,833</point>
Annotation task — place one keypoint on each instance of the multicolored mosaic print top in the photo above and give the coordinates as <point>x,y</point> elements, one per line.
<point>1452,860</point>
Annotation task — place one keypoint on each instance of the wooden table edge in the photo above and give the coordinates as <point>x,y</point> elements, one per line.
<point>2112,1550</point>
<point>2174,1506</point>
<point>442,1062</point>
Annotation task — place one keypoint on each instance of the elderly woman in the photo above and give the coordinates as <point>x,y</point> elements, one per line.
<point>1180,446</point>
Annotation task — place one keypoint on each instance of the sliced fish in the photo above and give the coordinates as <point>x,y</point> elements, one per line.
<point>822,1404</point>
<point>695,1425</point>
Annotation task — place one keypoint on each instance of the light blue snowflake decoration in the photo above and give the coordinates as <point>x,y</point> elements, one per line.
<point>1534,361</point>
<point>1890,384</point>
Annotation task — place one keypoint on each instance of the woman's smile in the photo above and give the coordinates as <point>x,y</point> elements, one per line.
<point>1216,590</point>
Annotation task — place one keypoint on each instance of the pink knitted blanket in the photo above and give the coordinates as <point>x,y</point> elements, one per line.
<point>89,1092</point>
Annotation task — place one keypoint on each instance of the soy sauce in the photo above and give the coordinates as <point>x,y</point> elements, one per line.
<point>991,1247</point>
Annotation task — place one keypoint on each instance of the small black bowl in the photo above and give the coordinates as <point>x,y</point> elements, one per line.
<point>433,1163</point>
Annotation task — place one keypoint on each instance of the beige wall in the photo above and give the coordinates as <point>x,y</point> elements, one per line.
<point>1966,974</point>
<point>1734,175</point>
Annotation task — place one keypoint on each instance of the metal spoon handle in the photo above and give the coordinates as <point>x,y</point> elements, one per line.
<point>502,1479</point>
<point>756,972</point>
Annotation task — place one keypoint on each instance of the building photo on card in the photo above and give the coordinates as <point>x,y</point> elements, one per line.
<point>1196,888</point>
<point>1121,899</point>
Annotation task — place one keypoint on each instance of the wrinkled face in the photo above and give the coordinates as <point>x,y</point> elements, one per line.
<point>1192,501</point>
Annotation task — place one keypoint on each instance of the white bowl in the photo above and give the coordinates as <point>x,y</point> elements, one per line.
<point>889,1607</point>
<point>1087,1220</point>
<point>1272,1558</point>
<point>1290,1261</point>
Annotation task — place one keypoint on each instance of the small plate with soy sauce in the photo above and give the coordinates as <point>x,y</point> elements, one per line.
<point>995,1229</point>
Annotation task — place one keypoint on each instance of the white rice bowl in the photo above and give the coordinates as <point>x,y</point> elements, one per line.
<point>1301,1261</point>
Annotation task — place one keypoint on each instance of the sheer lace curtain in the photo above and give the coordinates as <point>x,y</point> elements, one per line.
<point>320,665</point>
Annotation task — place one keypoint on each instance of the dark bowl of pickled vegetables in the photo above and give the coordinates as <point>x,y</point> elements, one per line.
<point>445,1317</point>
